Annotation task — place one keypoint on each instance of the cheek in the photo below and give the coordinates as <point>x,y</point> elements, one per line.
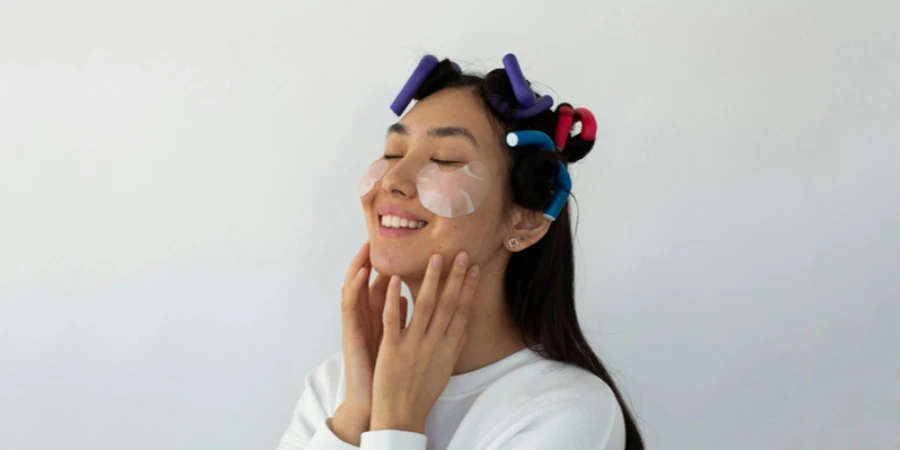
<point>455,193</point>
<point>476,233</point>
<point>371,176</point>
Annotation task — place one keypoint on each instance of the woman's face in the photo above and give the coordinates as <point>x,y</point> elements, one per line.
<point>444,172</point>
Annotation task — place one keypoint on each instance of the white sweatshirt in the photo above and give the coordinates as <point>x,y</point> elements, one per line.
<point>521,402</point>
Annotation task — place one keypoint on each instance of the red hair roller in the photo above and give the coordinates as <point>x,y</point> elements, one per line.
<point>563,124</point>
<point>567,117</point>
<point>588,124</point>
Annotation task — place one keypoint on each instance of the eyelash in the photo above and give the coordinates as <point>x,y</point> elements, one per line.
<point>437,161</point>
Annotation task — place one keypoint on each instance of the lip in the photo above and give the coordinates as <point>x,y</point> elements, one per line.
<point>389,210</point>
<point>396,232</point>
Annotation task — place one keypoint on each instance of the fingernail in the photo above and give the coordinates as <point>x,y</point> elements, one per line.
<point>395,281</point>
<point>462,258</point>
<point>473,272</point>
<point>436,261</point>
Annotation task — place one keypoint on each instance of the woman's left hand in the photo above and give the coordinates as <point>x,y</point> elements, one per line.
<point>415,363</point>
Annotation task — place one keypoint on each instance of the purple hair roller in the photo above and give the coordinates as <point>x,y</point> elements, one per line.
<point>418,77</point>
<point>529,105</point>
<point>524,95</point>
<point>540,104</point>
<point>456,67</point>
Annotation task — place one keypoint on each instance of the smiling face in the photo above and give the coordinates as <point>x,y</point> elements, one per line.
<point>444,157</point>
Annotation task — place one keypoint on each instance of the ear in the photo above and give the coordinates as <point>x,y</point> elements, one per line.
<point>527,226</point>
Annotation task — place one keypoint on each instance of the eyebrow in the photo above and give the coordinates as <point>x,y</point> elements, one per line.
<point>438,132</point>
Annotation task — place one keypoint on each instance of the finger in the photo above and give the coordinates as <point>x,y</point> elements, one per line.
<point>360,260</point>
<point>377,291</point>
<point>404,304</point>
<point>460,346</point>
<point>362,302</point>
<point>375,312</point>
<point>350,300</point>
<point>457,327</point>
<point>449,299</point>
<point>392,324</point>
<point>427,297</point>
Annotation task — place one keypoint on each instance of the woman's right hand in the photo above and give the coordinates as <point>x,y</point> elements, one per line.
<point>362,308</point>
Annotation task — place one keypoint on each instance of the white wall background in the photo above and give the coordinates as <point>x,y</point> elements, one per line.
<point>177,207</point>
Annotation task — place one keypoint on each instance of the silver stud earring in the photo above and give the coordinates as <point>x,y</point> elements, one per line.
<point>513,242</point>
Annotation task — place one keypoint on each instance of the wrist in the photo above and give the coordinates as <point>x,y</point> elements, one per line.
<point>349,424</point>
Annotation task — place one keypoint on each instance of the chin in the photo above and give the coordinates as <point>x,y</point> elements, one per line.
<point>390,257</point>
<point>405,256</point>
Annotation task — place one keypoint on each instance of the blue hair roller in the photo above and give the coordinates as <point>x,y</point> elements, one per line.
<point>563,185</point>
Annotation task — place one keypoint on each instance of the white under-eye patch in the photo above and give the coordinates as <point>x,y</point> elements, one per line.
<point>371,176</point>
<point>452,192</point>
<point>456,192</point>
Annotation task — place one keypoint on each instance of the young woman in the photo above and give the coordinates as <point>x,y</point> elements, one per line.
<point>467,206</point>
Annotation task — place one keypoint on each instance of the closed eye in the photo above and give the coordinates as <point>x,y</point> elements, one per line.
<point>434,160</point>
<point>443,162</point>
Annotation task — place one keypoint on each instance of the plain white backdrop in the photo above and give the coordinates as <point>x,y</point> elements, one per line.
<point>178,206</point>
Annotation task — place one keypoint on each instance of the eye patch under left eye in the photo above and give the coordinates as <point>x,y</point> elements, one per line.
<point>453,193</point>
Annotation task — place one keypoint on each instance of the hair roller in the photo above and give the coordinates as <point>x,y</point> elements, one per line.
<point>443,73</point>
<point>576,147</point>
<point>532,178</point>
<point>425,79</point>
<point>561,183</point>
<point>511,95</point>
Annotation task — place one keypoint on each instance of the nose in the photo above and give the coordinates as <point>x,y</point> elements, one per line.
<point>400,180</point>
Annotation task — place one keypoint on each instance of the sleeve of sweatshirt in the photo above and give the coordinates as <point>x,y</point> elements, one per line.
<point>310,427</point>
<point>310,422</point>
<point>392,440</point>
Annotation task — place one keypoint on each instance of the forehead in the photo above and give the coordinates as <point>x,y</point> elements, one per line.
<point>453,108</point>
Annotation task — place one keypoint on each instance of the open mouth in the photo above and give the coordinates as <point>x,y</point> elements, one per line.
<point>397,222</point>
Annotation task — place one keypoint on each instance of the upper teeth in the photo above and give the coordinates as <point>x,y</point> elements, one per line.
<point>399,222</point>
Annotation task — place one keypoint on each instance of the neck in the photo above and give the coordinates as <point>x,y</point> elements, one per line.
<point>492,332</point>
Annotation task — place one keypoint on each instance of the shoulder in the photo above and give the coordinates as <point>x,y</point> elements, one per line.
<point>566,405</point>
<point>332,365</point>
<point>324,384</point>
<point>322,388</point>
<point>583,393</point>
<point>327,376</point>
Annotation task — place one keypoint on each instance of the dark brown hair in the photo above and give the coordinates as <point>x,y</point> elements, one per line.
<point>540,280</point>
